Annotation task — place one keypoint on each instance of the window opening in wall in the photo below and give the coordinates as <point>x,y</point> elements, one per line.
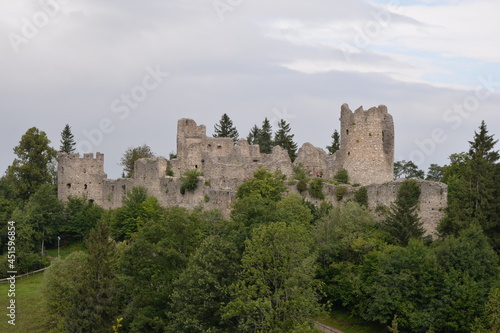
<point>348,153</point>
<point>196,166</point>
<point>112,188</point>
<point>383,135</point>
<point>91,200</point>
<point>124,188</point>
<point>68,185</point>
<point>62,169</point>
<point>84,170</point>
<point>347,131</point>
<point>85,186</point>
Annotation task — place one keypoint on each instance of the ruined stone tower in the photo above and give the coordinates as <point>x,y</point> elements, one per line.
<point>366,145</point>
<point>78,176</point>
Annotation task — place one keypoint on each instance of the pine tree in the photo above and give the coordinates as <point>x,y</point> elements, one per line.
<point>67,140</point>
<point>483,159</point>
<point>254,135</point>
<point>265,138</point>
<point>284,139</point>
<point>335,143</point>
<point>225,129</point>
<point>403,222</point>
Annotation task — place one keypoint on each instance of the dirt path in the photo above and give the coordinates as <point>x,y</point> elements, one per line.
<point>326,329</point>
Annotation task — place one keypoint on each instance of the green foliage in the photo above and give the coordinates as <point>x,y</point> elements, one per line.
<point>403,282</point>
<point>361,196</point>
<point>473,189</point>
<point>263,184</point>
<point>31,168</point>
<point>190,180</point>
<point>340,191</point>
<point>131,155</point>
<point>404,169</point>
<point>435,173</point>
<point>170,172</point>
<point>265,137</point>
<point>80,290</point>
<point>402,221</point>
<point>203,287</point>
<point>67,140</point>
<point>284,139</point>
<point>80,216</point>
<point>62,283</point>
<point>253,137</point>
<point>206,198</point>
<point>157,254</point>
<point>335,143</point>
<point>342,176</point>
<point>275,290</point>
<point>302,185</point>
<point>299,172</point>
<point>316,189</point>
<point>225,129</point>
<point>490,323</point>
<point>138,209</point>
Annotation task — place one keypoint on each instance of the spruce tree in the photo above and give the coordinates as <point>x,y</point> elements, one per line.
<point>254,135</point>
<point>403,222</point>
<point>483,183</point>
<point>265,137</point>
<point>67,140</point>
<point>284,139</point>
<point>335,143</point>
<point>225,129</point>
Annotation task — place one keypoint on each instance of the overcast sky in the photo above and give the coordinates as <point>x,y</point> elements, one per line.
<point>121,73</point>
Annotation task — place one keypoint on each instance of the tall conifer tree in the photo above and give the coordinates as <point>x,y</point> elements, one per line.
<point>225,128</point>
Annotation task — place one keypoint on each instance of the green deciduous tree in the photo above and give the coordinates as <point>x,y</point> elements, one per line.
<point>275,290</point>
<point>263,184</point>
<point>284,139</point>
<point>335,143</point>
<point>225,128</point>
<point>31,168</point>
<point>407,169</point>
<point>67,140</point>
<point>80,216</point>
<point>138,208</point>
<point>133,154</point>
<point>402,221</point>
<point>435,173</point>
<point>203,288</point>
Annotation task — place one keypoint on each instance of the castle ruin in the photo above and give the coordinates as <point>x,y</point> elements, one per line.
<point>366,152</point>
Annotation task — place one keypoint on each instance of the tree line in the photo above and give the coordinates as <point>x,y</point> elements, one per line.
<point>275,264</point>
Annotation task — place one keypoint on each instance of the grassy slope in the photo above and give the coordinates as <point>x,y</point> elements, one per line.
<point>30,310</point>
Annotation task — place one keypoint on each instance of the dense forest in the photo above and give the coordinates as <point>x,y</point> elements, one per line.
<point>278,262</point>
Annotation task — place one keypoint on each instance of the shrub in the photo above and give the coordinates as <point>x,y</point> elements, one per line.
<point>190,180</point>
<point>299,171</point>
<point>340,191</point>
<point>361,196</point>
<point>302,185</point>
<point>170,172</point>
<point>342,176</point>
<point>206,198</point>
<point>316,189</point>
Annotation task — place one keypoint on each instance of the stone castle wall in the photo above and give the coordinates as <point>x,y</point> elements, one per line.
<point>366,152</point>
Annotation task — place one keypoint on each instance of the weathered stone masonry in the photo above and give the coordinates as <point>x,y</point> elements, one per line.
<point>366,152</point>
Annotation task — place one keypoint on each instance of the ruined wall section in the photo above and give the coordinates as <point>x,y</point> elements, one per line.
<point>79,176</point>
<point>366,145</point>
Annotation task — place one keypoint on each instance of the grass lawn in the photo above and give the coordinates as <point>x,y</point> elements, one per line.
<point>30,310</point>
<point>66,250</point>
<point>342,320</point>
